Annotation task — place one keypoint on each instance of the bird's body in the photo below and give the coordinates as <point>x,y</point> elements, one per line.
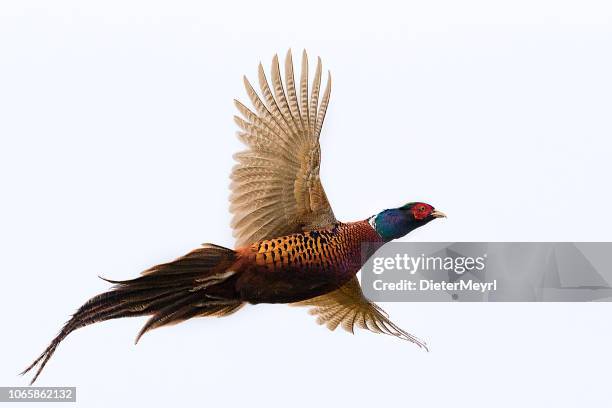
<point>290,248</point>
<point>303,265</point>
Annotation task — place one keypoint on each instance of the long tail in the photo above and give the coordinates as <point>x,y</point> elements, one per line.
<point>171,292</point>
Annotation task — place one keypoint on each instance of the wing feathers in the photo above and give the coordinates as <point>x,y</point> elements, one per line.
<point>323,107</point>
<point>294,106</point>
<point>314,97</point>
<point>266,129</point>
<point>281,99</point>
<point>263,111</point>
<point>271,102</point>
<point>276,188</point>
<point>347,307</point>
<point>304,91</point>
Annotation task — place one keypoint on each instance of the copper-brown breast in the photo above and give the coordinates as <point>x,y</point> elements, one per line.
<point>302,265</point>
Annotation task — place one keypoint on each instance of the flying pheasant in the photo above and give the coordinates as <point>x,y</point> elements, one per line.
<point>289,246</point>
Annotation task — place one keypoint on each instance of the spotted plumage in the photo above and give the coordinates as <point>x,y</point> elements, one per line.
<point>302,265</point>
<point>290,248</point>
<point>327,250</point>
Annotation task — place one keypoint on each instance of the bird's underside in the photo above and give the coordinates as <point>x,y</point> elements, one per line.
<point>289,246</point>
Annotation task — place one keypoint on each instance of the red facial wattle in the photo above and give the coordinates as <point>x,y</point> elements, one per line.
<point>420,211</point>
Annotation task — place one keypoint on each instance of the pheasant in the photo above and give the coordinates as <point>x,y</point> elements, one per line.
<point>290,248</point>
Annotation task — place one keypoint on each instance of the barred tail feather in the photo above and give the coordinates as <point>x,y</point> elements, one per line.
<point>170,292</point>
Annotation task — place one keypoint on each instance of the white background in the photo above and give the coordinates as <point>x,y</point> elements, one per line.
<point>116,140</point>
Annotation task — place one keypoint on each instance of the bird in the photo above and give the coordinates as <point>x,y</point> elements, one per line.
<point>289,248</point>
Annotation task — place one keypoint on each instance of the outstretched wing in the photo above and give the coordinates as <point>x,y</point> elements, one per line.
<point>276,189</point>
<point>348,307</point>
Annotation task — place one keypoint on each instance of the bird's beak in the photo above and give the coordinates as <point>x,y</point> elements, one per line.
<point>438,214</point>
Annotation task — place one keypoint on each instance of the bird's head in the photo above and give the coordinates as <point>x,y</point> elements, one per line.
<point>397,222</point>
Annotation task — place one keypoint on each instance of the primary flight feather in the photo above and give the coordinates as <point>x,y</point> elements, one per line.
<point>290,248</point>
